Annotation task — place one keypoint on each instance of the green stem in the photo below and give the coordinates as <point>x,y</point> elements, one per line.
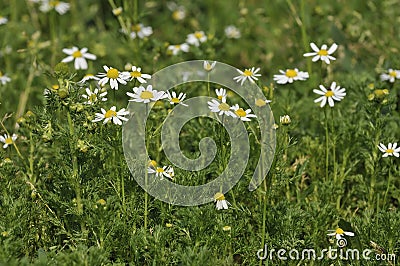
<point>135,11</point>
<point>286,147</point>
<point>53,36</point>
<point>120,19</point>
<point>146,196</point>
<point>304,35</point>
<point>208,84</point>
<point>387,187</point>
<point>23,99</point>
<point>146,199</point>
<point>75,174</point>
<point>334,151</point>
<point>264,216</point>
<point>326,144</point>
<point>123,191</point>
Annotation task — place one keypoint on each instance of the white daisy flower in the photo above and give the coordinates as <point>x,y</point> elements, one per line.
<point>221,93</point>
<point>232,32</point>
<point>140,31</point>
<point>334,93</point>
<point>4,79</point>
<point>3,20</point>
<point>390,150</point>
<point>221,202</point>
<point>208,66</point>
<point>145,95</point>
<point>285,120</point>
<point>242,114</point>
<point>8,140</point>
<point>222,108</point>
<point>112,75</point>
<point>175,49</point>
<point>79,56</point>
<point>59,6</point>
<point>117,11</point>
<point>261,102</point>
<point>178,12</point>
<point>161,172</point>
<point>290,75</point>
<point>392,75</point>
<point>249,74</point>
<point>93,97</point>
<point>196,38</point>
<point>136,74</point>
<point>339,233</point>
<point>173,99</point>
<point>322,54</point>
<point>88,77</point>
<point>112,116</point>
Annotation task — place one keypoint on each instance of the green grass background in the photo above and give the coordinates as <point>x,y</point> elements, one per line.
<point>41,221</point>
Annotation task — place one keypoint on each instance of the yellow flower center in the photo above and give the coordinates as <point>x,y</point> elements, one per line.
<point>110,113</point>
<point>117,11</point>
<point>54,3</point>
<point>208,67</point>
<point>177,46</point>
<point>387,151</point>
<point>220,97</point>
<point>224,107</point>
<point>93,97</point>
<point>291,73</point>
<point>322,52</point>
<point>9,141</point>
<point>339,231</point>
<point>77,54</point>
<point>392,74</point>
<point>136,28</point>
<point>219,196</point>
<point>136,74</point>
<point>240,112</point>
<point>112,73</point>
<point>1,74</point>
<point>102,202</point>
<point>226,228</point>
<point>175,100</point>
<point>160,170</point>
<point>146,95</point>
<point>247,73</point>
<point>260,102</point>
<point>198,35</point>
<point>177,15</point>
<point>329,94</point>
<point>55,87</point>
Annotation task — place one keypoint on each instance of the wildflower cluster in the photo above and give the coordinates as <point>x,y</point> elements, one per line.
<point>67,180</point>
<point>220,106</point>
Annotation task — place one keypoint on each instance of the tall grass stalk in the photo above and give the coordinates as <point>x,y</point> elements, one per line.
<point>326,144</point>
